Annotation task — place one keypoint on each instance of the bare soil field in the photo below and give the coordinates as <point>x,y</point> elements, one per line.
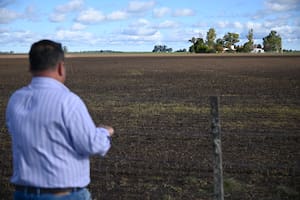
<point>159,106</point>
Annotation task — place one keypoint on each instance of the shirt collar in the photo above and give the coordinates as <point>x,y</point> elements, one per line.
<point>46,82</point>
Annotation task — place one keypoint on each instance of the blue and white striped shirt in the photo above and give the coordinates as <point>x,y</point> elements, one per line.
<point>53,136</point>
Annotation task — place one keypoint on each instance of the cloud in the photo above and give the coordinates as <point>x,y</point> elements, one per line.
<point>4,3</point>
<point>73,35</point>
<point>182,35</point>
<point>253,25</point>
<point>55,17</point>
<point>117,15</point>
<point>238,25</point>
<point>79,40</point>
<point>61,11</point>
<point>141,23</point>
<point>161,12</point>
<point>31,13</point>
<point>142,31</point>
<point>282,5</point>
<point>222,24</point>
<point>7,16</point>
<point>297,22</point>
<point>140,6</point>
<point>18,37</point>
<point>183,12</point>
<point>78,26</point>
<point>288,32</point>
<point>70,6</point>
<point>167,24</point>
<point>277,7</point>
<point>4,29</point>
<point>90,16</point>
<point>139,39</point>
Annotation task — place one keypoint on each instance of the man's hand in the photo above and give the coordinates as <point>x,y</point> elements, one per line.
<point>108,128</point>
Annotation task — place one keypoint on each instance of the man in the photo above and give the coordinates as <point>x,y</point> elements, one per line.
<point>52,132</point>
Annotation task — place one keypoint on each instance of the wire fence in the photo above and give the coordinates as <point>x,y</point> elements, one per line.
<point>165,152</point>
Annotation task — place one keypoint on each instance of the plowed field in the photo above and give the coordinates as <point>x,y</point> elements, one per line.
<point>159,106</point>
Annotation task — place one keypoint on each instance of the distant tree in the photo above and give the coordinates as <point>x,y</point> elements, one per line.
<point>272,42</point>
<point>219,45</point>
<point>210,38</point>
<point>157,48</point>
<point>161,48</point>
<point>201,46</point>
<point>287,50</point>
<point>198,46</point>
<point>230,39</point>
<point>192,48</point>
<point>181,50</point>
<point>248,46</point>
<point>65,49</point>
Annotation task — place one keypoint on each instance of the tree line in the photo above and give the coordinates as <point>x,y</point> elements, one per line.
<point>212,44</point>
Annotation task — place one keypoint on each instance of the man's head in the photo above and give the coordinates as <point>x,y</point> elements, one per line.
<point>46,56</point>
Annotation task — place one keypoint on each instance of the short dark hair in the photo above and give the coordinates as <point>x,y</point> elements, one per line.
<point>44,55</point>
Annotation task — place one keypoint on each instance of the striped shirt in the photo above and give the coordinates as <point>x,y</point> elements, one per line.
<point>53,136</point>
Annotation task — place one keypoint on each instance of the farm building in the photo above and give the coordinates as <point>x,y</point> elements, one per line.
<point>257,50</point>
<point>231,48</point>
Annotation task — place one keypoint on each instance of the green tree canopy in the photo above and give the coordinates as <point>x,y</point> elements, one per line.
<point>161,48</point>
<point>272,42</point>
<point>210,38</point>
<point>230,39</point>
<point>219,45</point>
<point>248,46</point>
<point>198,46</point>
<point>210,44</point>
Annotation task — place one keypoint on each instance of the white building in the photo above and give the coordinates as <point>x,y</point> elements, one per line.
<point>258,50</point>
<point>229,49</point>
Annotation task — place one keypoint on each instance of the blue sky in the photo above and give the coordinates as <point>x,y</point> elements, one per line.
<point>134,25</point>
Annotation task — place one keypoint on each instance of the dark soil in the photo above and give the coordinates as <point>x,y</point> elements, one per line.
<point>159,106</point>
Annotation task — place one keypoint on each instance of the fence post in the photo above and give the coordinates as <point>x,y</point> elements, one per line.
<point>217,160</point>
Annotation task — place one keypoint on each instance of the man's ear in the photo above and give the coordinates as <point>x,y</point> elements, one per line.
<point>60,69</point>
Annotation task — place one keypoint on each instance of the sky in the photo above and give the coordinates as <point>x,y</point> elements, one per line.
<point>139,25</point>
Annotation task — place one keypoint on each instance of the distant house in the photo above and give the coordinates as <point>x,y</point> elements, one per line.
<point>229,49</point>
<point>257,50</point>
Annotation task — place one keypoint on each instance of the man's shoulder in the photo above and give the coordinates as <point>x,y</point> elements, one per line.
<point>72,102</point>
<point>19,91</point>
<point>71,98</point>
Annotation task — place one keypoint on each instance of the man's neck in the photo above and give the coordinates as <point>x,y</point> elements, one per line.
<point>48,74</point>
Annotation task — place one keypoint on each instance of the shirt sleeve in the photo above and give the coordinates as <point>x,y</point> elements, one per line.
<point>86,138</point>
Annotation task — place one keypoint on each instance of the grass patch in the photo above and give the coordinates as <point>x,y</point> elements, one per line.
<point>232,185</point>
<point>246,117</point>
<point>285,192</point>
<point>159,108</point>
<point>275,110</point>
